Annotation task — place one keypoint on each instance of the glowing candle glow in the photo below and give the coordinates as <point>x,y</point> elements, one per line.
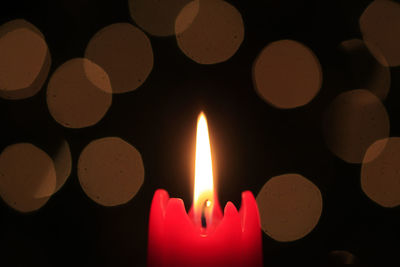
<point>203,177</point>
<point>204,237</point>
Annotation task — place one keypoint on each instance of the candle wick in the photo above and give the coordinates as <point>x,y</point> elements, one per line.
<point>203,214</point>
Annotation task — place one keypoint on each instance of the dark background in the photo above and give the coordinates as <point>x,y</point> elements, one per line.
<point>252,141</point>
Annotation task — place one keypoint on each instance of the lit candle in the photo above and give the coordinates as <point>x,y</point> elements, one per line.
<point>204,237</point>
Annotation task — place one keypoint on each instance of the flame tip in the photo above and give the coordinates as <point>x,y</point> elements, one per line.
<point>202,115</point>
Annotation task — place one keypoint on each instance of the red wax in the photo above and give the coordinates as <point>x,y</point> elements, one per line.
<point>232,239</point>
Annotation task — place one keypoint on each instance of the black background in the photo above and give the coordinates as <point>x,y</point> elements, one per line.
<point>251,140</point>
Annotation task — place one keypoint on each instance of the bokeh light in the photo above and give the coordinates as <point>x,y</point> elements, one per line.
<point>287,74</point>
<point>156,17</point>
<point>125,53</point>
<point>24,60</point>
<point>186,16</point>
<point>27,177</point>
<point>79,93</point>
<point>341,257</point>
<point>352,122</point>
<point>365,71</point>
<point>380,27</point>
<point>209,31</point>
<point>110,171</point>
<point>380,177</point>
<point>290,207</point>
<point>62,163</point>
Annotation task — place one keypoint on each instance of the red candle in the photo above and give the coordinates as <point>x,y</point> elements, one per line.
<point>205,236</point>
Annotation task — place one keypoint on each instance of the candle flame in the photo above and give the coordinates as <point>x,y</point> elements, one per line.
<point>203,178</point>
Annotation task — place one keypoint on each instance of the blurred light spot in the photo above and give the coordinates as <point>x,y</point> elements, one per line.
<point>374,150</point>
<point>187,16</point>
<point>290,207</point>
<point>352,122</point>
<point>125,53</point>
<point>287,74</point>
<point>209,31</point>
<point>380,178</point>
<point>27,177</point>
<point>341,257</point>
<point>110,171</point>
<point>155,16</point>
<point>79,93</point>
<point>380,27</point>
<point>63,164</point>
<point>24,60</point>
<point>365,71</point>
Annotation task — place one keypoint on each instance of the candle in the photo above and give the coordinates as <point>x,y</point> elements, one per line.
<point>204,236</point>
